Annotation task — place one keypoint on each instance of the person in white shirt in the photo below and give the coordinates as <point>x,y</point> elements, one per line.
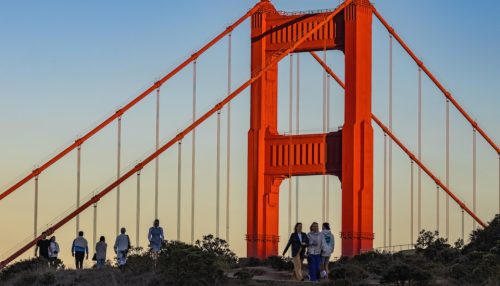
<point>316,244</point>
<point>122,246</point>
<point>53,252</point>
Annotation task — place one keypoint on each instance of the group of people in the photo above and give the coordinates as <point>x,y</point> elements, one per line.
<point>316,245</point>
<point>49,248</point>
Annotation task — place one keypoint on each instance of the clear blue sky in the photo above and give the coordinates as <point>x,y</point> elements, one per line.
<point>64,66</point>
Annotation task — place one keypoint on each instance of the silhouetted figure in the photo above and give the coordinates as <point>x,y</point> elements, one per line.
<point>122,246</point>
<point>53,252</point>
<point>299,241</point>
<point>80,250</point>
<point>42,247</point>
<point>155,236</point>
<point>100,252</point>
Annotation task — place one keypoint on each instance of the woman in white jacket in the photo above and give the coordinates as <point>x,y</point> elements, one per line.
<point>53,252</point>
<point>316,245</point>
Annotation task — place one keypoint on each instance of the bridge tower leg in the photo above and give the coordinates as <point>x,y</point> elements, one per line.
<point>357,133</point>
<point>263,190</point>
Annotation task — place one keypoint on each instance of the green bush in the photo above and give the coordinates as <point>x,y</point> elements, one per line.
<point>183,264</point>
<point>26,265</point>
<point>280,263</point>
<point>139,261</point>
<point>348,271</point>
<point>48,278</point>
<point>220,248</point>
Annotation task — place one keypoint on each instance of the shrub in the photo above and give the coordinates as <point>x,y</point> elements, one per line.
<point>26,279</point>
<point>27,265</point>
<point>139,261</point>
<point>220,248</point>
<point>487,239</point>
<point>48,278</point>
<point>250,262</point>
<point>280,263</point>
<point>348,271</point>
<point>183,264</point>
<point>400,273</point>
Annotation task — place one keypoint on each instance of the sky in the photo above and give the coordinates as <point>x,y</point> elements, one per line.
<point>66,66</point>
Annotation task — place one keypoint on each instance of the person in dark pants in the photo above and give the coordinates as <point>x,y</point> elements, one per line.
<point>79,249</point>
<point>316,245</point>
<point>53,252</point>
<point>42,247</point>
<point>299,241</point>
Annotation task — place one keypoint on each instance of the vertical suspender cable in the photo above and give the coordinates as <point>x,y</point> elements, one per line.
<point>297,130</point>
<point>447,167</point>
<point>157,138</point>
<point>290,130</point>
<point>474,183</point>
<point>327,130</point>
<point>228,151</point>
<point>323,211</point>
<point>179,168</point>
<point>138,209</point>
<point>35,219</point>
<point>78,165</point>
<point>94,228</point>
<point>217,195</point>
<point>463,226</point>
<point>411,202</point>
<point>385,189</point>
<point>437,208</point>
<point>419,151</point>
<point>193,158</point>
<point>118,161</point>
<point>390,141</point>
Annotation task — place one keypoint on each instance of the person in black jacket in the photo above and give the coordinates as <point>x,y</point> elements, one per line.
<point>299,241</point>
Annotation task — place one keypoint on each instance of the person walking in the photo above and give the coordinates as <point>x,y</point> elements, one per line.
<point>298,241</point>
<point>80,250</point>
<point>42,247</point>
<point>122,246</point>
<point>53,252</point>
<point>100,252</point>
<point>155,236</point>
<point>326,252</point>
<point>316,244</point>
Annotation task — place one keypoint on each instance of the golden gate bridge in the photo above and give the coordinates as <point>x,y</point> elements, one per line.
<point>274,157</point>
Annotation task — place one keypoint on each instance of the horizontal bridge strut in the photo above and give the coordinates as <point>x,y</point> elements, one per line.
<point>303,155</point>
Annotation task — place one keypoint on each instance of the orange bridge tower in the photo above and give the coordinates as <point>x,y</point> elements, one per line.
<point>347,154</point>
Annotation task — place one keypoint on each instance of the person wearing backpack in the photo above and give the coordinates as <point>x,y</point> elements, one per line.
<point>122,246</point>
